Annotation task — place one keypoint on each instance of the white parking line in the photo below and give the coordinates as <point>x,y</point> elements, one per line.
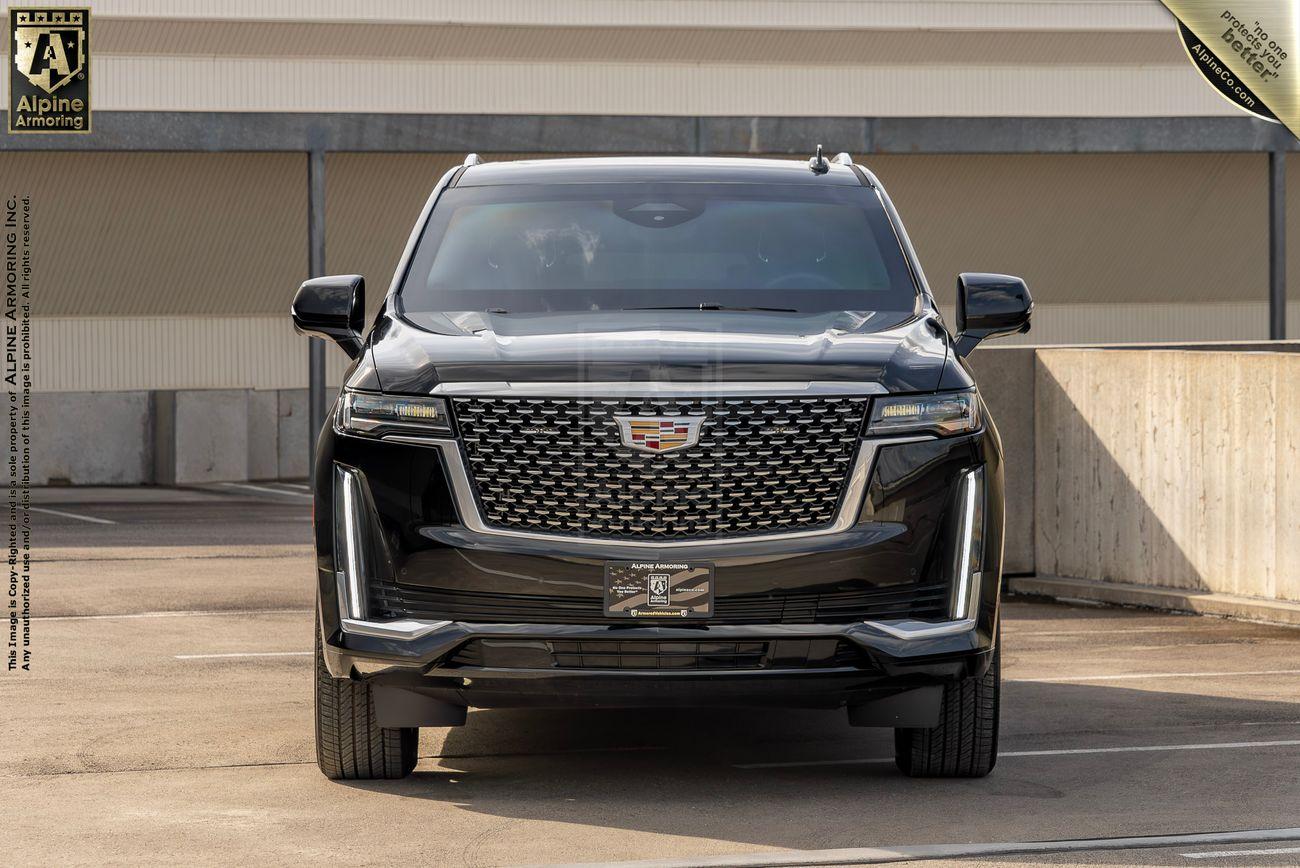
<point>1138,676</point>
<point>1074,751</point>
<point>913,852</point>
<point>1238,642</point>
<point>1231,854</point>
<point>77,516</point>
<point>178,614</point>
<point>242,654</point>
<point>1013,632</point>
<point>1213,745</point>
<point>295,485</point>
<point>264,489</point>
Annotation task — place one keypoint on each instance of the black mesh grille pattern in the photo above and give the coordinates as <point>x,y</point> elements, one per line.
<point>559,466</point>
<point>921,602</point>
<point>676,656</point>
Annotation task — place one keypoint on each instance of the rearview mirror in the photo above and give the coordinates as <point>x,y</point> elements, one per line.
<point>334,308</point>
<point>989,305</point>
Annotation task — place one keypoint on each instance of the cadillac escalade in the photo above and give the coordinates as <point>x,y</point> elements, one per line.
<point>637,432</point>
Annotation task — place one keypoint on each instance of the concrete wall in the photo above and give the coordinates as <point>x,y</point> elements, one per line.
<point>1006,380</point>
<point>1169,468</point>
<point>169,437</point>
<point>83,438</point>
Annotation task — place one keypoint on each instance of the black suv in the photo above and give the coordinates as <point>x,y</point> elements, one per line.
<point>634,432</point>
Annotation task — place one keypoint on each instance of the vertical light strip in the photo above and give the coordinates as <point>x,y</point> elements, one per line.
<point>351,571</point>
<point>971,497</point>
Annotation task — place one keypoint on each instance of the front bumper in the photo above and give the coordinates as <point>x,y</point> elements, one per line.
<point>421,655</point>
<point>424,537</point>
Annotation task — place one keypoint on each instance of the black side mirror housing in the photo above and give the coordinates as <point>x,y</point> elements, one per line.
<point>334,308</point>
<point>990,305</point>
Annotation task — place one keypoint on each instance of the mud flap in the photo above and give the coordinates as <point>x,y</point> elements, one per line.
<point>395,708</point>
<point>917,708</point>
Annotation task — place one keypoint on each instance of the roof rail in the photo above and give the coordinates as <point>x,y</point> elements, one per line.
<point>472,160</point>
<point>843,159</point>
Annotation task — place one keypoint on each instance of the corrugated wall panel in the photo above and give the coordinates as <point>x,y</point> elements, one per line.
<point>197,234</point>
<point>179,268</point>
<point>1293,230</point>
<point>122,353</point>
<point>150,233</point>
<point>449,41</point>
<point>189,234</point>
<point>1055,324</point>
<point>1085,228</point>
<point>271,84</point>
<point>126,353</point>
<point>1082,229</point>
<point>1030,14</point>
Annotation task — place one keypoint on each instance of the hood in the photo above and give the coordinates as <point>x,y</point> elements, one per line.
<point>902,352</point>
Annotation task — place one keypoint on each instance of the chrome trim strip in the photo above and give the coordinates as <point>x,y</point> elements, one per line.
<point>404,630</point>
<point>341,583</point>
<point>973,601</point>
<point>467,506</point>
<point>411,628</point>
<point>652,389</point>
<point>922,629</point>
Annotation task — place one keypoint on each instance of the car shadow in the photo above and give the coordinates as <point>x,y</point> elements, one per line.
<point>717,773</point>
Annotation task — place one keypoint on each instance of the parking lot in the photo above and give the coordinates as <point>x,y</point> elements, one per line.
<point>168,720</point>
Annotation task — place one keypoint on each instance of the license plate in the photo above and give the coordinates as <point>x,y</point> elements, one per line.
<point>647,590</point>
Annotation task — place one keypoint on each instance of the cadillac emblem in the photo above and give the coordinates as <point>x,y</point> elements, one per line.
<point>659,434</point>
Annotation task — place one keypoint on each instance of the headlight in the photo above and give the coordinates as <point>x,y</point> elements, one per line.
<point>375,415</point>
<point>943,413</point>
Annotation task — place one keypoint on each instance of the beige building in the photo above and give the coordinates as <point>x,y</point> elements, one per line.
<point>1069,142</point>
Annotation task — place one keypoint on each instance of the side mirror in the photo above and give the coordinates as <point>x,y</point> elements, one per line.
<point>333,308</point>
<point>990,305</point>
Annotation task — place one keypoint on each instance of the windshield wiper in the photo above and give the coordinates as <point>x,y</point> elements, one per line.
<point>709,305</point>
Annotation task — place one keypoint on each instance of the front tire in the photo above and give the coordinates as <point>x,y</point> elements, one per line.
<point>965,743</point>
<point>350,744</point>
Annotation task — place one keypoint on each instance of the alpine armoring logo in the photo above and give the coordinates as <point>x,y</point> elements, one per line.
<point>49,71</point>
<point>1221,78</point>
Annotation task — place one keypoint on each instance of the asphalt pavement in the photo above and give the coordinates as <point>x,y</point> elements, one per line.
<point>168,721</point>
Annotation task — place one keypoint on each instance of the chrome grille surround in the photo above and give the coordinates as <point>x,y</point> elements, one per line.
<point>763,465</point>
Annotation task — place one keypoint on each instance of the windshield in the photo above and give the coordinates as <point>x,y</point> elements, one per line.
<point>600,247</point>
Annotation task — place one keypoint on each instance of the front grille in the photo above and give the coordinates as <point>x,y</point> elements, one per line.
<point>641,654</point>
<point>762,465</point>
<point>920,602</point>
